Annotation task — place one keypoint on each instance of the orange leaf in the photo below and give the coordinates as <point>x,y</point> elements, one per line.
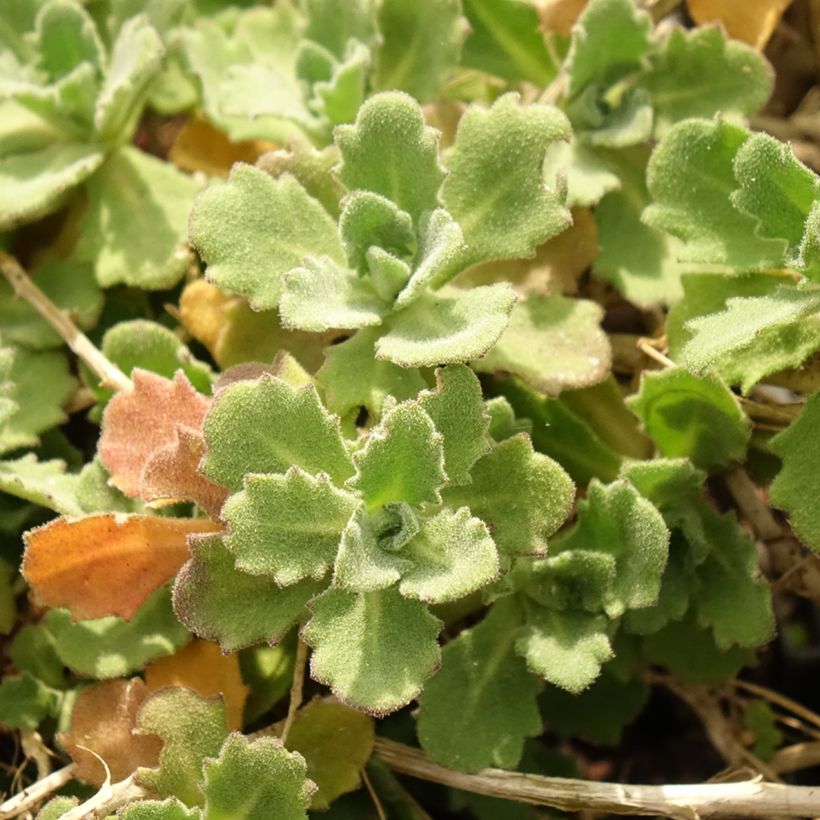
<point>559,16</point>
<point>752,21</point>
<point>203,667</point>
<point>102,720</point>
<point>106,564</point>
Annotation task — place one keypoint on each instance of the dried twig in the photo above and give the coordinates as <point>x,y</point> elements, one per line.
<point>37,792</point>
<point>296,688</point>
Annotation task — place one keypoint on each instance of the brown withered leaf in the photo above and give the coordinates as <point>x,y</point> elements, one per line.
<point>202,667</point>
<point>200,146</point>
<point>102,720</point>
<point>752,21</point>
<point>559,16</point>
<point>106,564</point>
<point>555,268</point>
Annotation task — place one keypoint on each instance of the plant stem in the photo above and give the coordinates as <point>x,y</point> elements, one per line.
<point>110,375</point>
<point>37,792</point>
<point>296,688</point>
<point>748,799</point>
<point>107,800</point>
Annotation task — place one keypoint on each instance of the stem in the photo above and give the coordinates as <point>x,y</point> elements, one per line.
<point>109,374</point>
<point>37,792</point>
<point>107,800</point>
<point>748,799</point>
<point>296,688</point>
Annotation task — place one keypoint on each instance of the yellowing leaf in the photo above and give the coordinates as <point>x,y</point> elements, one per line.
<point>106,564</point>
<point>202,667</point>
<point>200,146</point>
<point>752,21</point>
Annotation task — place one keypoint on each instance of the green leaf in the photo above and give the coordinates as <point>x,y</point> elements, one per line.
<point>495,186</point>
<point>760,720</point>
<point>444,327</point>
<point>267,426</point>
<point>376,379</point>
<point>34,650</point>
<point>255,780</point>
<point>35,183</point>
<point>42,482</point>
<point>286,526</point>
<point>609,41</point>
<point>373,649</point>
<point>690,416</point>
<point>390,151</point>
<point>478,709</point>
<point>170,809</point>
<point>524,509</point>
<point>218,602</point>
<point>66,37</point>
<point>332,26</point>
<point>58,806</point>
<point>553,343</point>
<point>452,556</point>
<point>564,647</point>
<point>690,177</point>
<point>573,579</point>
<point>25,701</point>
<point>589,175</point>
<point>402,460</point>
<point>505,40</point>
<point>113,648</point>
<point>191,729</point>
<point>134,229</point>
<point>136,57</point>
<point>807,260</point>
<point>320,295</point>
<point>458,413</point>
<point>336,742</point>
<point>616,520</point>
<point>700,73</point>
<point>8,605</point>
<point>793,488</point>
<point>420,46</point>
<point>253,228</point>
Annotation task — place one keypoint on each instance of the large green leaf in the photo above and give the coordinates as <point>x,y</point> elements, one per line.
<point>45,483</point>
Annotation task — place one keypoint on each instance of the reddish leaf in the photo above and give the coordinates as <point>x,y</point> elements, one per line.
<point>106,564</point>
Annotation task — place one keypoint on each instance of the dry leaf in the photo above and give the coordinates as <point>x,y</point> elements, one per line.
<point>202,667</point>
<point>102,720</point>
<point>559,16</point>
<point>106,564</point>
<point>201,147</point>
<point>752,21</point>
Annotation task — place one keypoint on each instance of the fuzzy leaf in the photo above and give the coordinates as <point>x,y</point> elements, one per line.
<point>106,564</point>
<point>700,72</point>
<point>110,647</point>
<point>495,187</point>
<point>373,649</point>
<point>286,526</point>
<point>477,710</point>
<point>170,809</point>
<point>256,779</point>
<point>375,378</point>
<point>441,328</point>
<point>402,460</point>
<point>45,483</point>
<point>390,151</point>
<point>25,701</point>
<point>527,507</point>
<point>253,228</point>
<point>690,177</point>
<point>320,295</point>
<point>690,416</point>
<point>589,174</point>
<point>553,343</point>
<point>458,413</point>
<point>218,602</point>
<point>191,729</point>
<point>564,647</point>
<point>267,426</point>
<point>336,742</point>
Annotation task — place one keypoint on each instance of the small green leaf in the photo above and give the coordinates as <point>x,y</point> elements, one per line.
<point>495,186</point>
<point>66,37</point>
<point>267,426</point>
<point>373,649</point>
<point>253,228</point>
<point>26,701</point>
<point>191,729</point>
<point>134,229</point>
<point>457,411</point>
<point>444,327</point>
<point>793,489</point>
<point>286,526</point>
<point>255,780</point>
<point>553,343</point>
<point>390,151</point>
<point>42,482</point>
<point>589,175</point>
<point>690,416</point>
<point>524,509</point>
<point>34,650</point>
<point>320,295</point>
<point>478,709</point>
<point>170,809</point>
<point>760,720</point>
<point>420,46</point>
<point>402,460</point>
<point>332,26</point>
